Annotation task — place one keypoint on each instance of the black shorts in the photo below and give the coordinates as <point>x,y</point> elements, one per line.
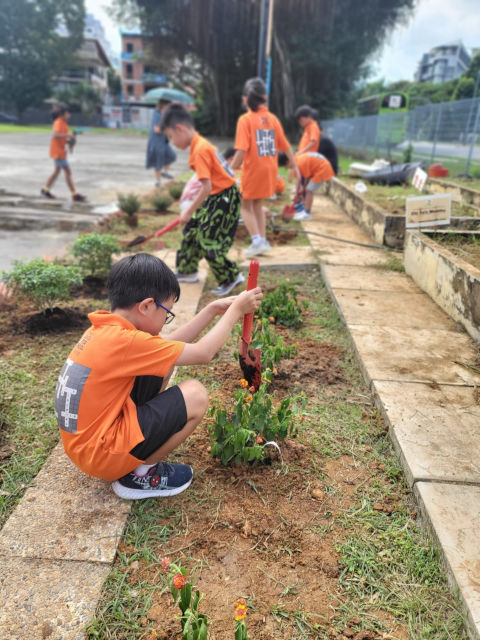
<point>160,415</point>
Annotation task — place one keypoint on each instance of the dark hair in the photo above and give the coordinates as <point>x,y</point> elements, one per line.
<point>229,153</point>
<point>134,278</point>
<point>59,110</point>
<point>303,112</point>
<point>175,114</point>
<point>163,103</point>
<point>255,91</point>
<point>282,159</point>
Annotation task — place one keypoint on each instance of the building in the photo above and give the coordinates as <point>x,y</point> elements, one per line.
<point>91,66</point>
<point>442,63</point>
<point>138,74</point>
<point>94,29</point>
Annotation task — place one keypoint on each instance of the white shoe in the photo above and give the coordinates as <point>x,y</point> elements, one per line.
<point>266,246</point>
<point>224,289</point>
<point>302,215</point>
<point>186,277</point>
<point>255,249</point>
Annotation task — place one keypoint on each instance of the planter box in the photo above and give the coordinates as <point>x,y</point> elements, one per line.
<point>464,195</point>
<point>451,282</point>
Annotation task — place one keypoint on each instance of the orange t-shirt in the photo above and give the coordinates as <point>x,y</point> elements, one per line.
<point>280,185</point>
<point>311,133</point>
<point>209,164</point>
<point>314,167</point>
<point>58,145</point>
<point>260,135</point>
<point>96,415</point>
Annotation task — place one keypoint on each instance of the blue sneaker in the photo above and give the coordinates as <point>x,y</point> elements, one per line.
<point>299,206</point>
<point>161,480</point>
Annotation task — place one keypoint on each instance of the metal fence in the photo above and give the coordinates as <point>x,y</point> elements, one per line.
<point>443,132</point>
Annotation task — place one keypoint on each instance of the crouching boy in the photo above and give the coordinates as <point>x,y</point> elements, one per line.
<point>117,419</point>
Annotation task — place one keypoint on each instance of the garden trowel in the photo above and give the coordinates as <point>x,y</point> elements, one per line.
<point>250,358</point>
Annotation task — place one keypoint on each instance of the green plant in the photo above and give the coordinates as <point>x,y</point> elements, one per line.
<point>271,344</point>
<point>161,201</point>
<point>128,203</point>
<point>194,624</point>
<point>407,154</point>
<point>41,282</point>
<point>176,190</point>
<point>241,632</point>
<point>239,436</point>
<point>94,252</point>
<point>282,306</point>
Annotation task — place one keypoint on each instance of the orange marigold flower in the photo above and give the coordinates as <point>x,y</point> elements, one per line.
<point>259,440</point>
<point>272,319</point>
<point>240,607</point>
<point>248,399</point>
<point>243,383</point>
<point>179,581</point>
<point>166,563</point>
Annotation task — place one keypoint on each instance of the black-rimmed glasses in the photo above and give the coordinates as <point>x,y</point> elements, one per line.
<point>170,315</point>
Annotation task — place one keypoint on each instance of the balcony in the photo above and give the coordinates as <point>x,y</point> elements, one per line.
<point>131,55</point>
<point>161,78</point>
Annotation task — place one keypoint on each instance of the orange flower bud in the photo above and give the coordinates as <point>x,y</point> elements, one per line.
<point>243,383</point>
<point>166,563</point>
<point>179,581</point>
<point>259,440</point>
<point>272,319</point>
<point>275,371</point>
<point>240,607</point>
<point>248,399</point>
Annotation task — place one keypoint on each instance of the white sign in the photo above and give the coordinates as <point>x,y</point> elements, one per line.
<point>428,211</point>
<point>394,102</point>
<point>419,178</point>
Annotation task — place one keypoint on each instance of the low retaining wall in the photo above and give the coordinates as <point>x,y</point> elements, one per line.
<point>451,282</point>
<point>460,193</point>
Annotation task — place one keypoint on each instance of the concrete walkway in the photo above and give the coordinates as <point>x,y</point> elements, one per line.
<point>58,546</point>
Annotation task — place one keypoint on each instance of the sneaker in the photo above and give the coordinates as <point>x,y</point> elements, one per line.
<point>186,277</point>
<point>299,206</point>
<point>161,480</point>
<point>224,289</point>
<point>77,197</point>
<point>257,249</point>
<point>47,193</point>
<point>302,215</point>
<point>167,175</point>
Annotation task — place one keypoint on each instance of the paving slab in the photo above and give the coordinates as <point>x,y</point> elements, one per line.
<point>70,516</point>
<point>453,516</point>
<point>414,355</point>
<point>434,428</point>
<point>51,599</point>
<point>392,309</point>
<point>368,279</point>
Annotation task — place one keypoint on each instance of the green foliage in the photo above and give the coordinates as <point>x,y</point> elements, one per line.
<point>31,50</point>
<point>94,253</point>
<point>407,154</point>
<point>129,203</point>
<point>41,282</point>
<point>194,624</point>
<point>176,189</point>
<point>161,201</point>
<point>239,436</point>
<point>114,83</point>
<point>81,98</point>
<point>270,343</point>
<point>282,305</point>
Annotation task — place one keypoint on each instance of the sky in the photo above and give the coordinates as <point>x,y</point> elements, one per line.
<point>434,22</point>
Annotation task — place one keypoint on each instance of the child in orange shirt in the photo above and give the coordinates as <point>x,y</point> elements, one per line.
<point>211,219</point>
<point>61,136</point>
<point>258,140</point>
<point>315,169</point>
<point>117,419</point>
<point>311,133</point>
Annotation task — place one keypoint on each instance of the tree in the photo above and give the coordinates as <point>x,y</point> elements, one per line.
<point>319,47</point>
<point>81,98</point>
<point>114,83</point>
<point>31,49</point>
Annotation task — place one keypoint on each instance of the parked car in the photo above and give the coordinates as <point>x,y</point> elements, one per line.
<point>4,117</point>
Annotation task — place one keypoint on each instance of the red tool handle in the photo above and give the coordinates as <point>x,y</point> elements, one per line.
<point>167,227</point>
<point>248,317</point>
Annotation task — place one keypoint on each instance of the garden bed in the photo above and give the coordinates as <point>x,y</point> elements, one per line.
<point>446,265</point>
<point>380,211</point>
<point>465,192</point>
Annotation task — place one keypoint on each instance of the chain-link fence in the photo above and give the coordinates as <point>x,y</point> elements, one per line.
<point>447,132</point>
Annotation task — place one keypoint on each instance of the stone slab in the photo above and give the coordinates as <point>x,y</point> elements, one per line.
<point>368,279</point>
<point>421,355</point>
<point>70,516</point>
<point>453,516</point>
<point>392,309</point>
<point>435,429</point>
<point>48,599</point>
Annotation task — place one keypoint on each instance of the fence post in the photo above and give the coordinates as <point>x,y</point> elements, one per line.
<point>435,135</point>
<point>472,144</point>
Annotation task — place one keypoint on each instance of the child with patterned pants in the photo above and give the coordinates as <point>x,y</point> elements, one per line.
<point>211,219</point>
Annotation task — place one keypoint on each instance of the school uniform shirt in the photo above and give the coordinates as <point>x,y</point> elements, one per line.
<point>311,133</point>
<point>260,135</point>
<point>209,164</point>
<point>58,146</point>
<point>96,415</point>
<point>314,167</point>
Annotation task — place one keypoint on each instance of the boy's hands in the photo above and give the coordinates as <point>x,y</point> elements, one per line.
<point>248,301</point>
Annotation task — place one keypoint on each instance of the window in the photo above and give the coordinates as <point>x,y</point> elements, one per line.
<point>129,47</point>
<point>130,89</point>
<point>129,70</point>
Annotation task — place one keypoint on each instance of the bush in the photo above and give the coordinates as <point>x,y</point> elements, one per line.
<point>176,190</point>
<point>94,253</point>
<point>281,306</point>
<point>161,201</point>
<point>129,203</point>
<point>41,282</point>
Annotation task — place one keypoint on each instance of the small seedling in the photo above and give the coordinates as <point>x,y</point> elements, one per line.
<point>282,306</point>
<point>161,201</point>
<point>129,203</point>
<point>176,190</point>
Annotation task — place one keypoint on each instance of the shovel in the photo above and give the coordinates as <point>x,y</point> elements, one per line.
<point>250,358</point>
<point>160,232</point>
